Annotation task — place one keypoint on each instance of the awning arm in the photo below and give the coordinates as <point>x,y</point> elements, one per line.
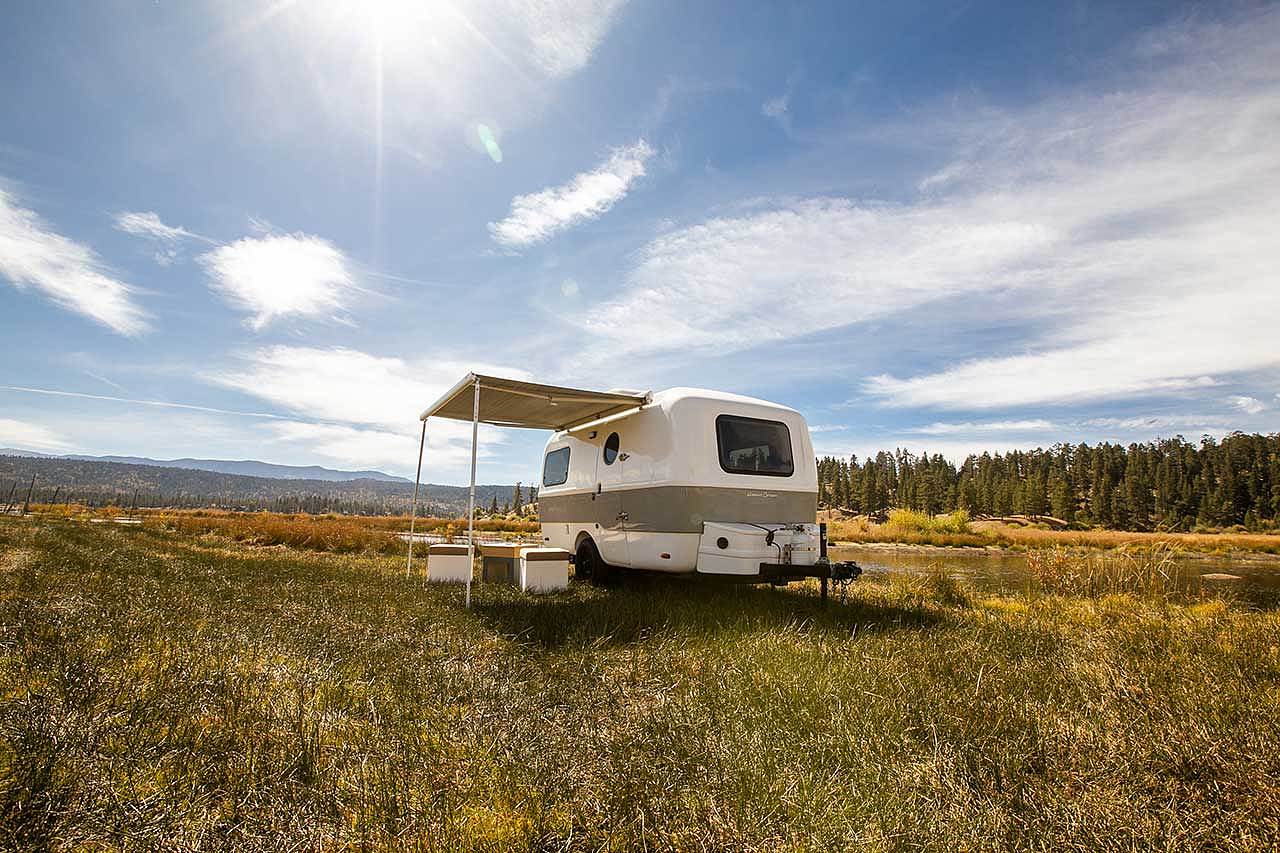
<point>471,496</point>
<point>607,419</point>
<point>413,513</point>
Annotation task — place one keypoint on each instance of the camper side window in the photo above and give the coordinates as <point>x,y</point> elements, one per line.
<point>556,469</point>
<point>754,446</point>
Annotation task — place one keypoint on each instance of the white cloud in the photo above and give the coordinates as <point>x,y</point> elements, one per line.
<point>341,384</point>
<point>779,109</point>
<point>1166,196</point>
<point>363,408</point>
<point>1137,227</point>
<point>1248,405</point>
<point>69,273</point>
<point>984,427</point>
<point>1156,423</point>
<point>148,224</point>
<point>564,34</point>
<point>716,286</point>
<point>353,446</point>
<point>281,275</point>
<point>537,216</point>
<point>27,436</point>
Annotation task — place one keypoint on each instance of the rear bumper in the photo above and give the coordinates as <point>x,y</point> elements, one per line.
<point>782,573</point>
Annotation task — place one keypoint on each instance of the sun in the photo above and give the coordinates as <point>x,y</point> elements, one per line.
<point>394,25</point>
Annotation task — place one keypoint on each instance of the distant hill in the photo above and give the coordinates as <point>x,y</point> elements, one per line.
<point>97,481</point>
<point>244,467</point>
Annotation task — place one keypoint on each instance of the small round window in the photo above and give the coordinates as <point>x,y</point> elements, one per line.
<point>611,448</point>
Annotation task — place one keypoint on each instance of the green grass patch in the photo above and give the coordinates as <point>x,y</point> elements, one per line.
<point>163,690</point>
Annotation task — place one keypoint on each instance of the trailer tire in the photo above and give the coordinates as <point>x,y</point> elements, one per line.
<point>588,565</point>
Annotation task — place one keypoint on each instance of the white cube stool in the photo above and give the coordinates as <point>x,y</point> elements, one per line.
<point>543,569</point>
<point>448,564</point>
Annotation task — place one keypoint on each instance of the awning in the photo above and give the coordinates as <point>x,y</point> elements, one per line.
<point>513,403</point>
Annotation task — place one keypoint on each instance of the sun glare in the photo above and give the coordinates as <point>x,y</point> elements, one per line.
<point>395,25</point>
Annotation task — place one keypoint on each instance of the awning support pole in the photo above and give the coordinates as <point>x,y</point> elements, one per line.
<point>471,496</point>
<point>413,513</point>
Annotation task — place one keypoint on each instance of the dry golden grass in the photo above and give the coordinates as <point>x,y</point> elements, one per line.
<point>166,692</point>
<point>1151,573</point>
<point>990,533</point>
<point>334,533</point>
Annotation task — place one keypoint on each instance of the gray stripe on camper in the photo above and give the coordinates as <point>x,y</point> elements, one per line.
<point>678,509</point>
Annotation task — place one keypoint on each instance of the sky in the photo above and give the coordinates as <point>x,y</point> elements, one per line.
<point>278,230</point>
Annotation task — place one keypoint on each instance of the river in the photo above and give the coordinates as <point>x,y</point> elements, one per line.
<point>1254,577</point>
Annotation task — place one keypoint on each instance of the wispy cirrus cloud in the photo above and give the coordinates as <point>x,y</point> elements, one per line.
<point>69,273</point>
<point>1130,231</point>
<point>970,427</point>
<point>1166,196</point>
<point>537,216</point>
<point>1154,424</point>
<point>715,286</point>
<point>285,275</point>
<point>147,224</point>
<point>564,34</point>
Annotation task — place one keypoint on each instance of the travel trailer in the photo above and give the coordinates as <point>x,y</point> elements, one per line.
<point>691,481</point>
<point>683,481</point>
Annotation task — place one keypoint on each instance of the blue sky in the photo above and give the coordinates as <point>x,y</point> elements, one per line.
<point>278,230</point>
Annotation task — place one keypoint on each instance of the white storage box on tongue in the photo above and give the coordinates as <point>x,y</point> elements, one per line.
<point>739,549</point>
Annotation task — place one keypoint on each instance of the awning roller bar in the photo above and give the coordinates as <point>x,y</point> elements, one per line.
<point>531,405</point>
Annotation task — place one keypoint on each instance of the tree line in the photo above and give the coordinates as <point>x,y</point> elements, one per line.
<point>1170,484</point>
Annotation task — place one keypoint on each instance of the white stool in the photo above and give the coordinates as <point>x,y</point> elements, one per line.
<point>448,564</point>
<point>544,569</point>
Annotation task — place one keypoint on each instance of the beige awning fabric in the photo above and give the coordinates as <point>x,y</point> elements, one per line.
<point>513,403</point>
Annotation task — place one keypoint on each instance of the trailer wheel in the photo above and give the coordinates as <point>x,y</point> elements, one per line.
<point>587,564</point>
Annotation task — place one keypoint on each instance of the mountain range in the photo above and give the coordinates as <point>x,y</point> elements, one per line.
<point>241,467</point>
<point>147,483</point>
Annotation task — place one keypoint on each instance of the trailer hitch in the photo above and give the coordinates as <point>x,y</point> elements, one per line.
<point>840,573</point>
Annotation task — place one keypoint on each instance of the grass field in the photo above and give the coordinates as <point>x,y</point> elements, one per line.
<point>174,690</point>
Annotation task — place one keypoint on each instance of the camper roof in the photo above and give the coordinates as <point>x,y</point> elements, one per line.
<point>516,403</point>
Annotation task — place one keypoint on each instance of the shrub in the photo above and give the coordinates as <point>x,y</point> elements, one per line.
<point>910,521</point>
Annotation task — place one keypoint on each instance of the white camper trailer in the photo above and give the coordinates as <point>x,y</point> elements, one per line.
<point>680,481</point>
<point>692,481</point>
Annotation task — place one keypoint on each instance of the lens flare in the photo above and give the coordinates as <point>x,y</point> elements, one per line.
<point>490,142</point>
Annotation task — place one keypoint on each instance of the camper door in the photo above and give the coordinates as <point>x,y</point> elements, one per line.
<point>610,509</point>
